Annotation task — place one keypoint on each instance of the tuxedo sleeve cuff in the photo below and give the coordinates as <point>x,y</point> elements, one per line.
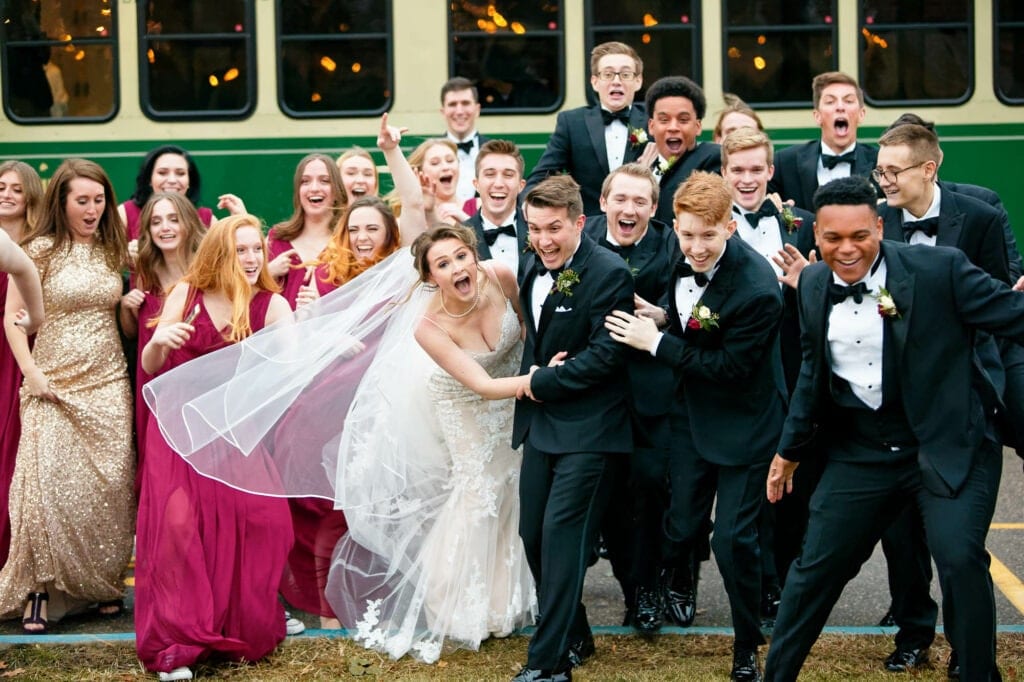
<point>653,350</point>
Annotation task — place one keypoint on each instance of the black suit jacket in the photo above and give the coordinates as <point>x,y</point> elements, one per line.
<point>796,170</point>
<point>651,384</point>
<point>942,300</point>
<point>577,147</point>
<point>476,222</point>
<point>583,406</point>
<point>992,199</point>
<point>966,224</point>
<point>729,382</point>
<point>706,156</point>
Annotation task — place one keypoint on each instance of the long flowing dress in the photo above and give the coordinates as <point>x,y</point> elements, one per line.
<point>209,558</point>
<point>442,563</point>
<point>71,503</point>
<point>10,427</point>
<point>150,309</point>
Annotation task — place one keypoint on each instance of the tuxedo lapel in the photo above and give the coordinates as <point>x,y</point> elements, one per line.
<point>595,128</point>
<point>527,282</point>
<point>899,282</point>
<point>951,222</point>
<point>807,170</point>
<point>863,163</point>
<point>522,231</point>
<point>477,223</point>
<point>637,121</point>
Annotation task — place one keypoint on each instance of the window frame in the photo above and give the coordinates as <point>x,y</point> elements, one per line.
<point>695,26</point>
<point>280,39</point>
<point>252,84</point>
<point>115,106</point>
<point>781,29</point>
<point>506,111</point>
<point>972,82</point>
<point>996,25</point>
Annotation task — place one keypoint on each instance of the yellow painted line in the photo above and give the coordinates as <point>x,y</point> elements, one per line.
<point>1007,582</point>
<point>1007,526</point>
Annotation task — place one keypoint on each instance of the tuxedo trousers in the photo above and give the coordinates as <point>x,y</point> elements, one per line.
<point>909,567</point>
<point>853,505</point>
<point>562,501</point>
<point>695,483</point>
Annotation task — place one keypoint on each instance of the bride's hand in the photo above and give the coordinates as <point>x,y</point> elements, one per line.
<point>558,358</point>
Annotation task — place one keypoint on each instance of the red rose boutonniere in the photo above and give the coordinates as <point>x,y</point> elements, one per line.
<point>792,221</point>
<point>701,317</point>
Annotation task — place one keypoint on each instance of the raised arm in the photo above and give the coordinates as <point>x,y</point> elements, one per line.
<point>170,333</point>
<point>407,182</point>
<point>23,273</point>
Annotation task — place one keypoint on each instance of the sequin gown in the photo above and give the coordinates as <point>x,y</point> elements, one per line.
<point>458,572</point>
<point>71,503</point>
<point>209,558</point>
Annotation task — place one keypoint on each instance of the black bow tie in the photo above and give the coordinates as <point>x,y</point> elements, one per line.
<point>683,269</point>
<point>830,161</point>
<point>840,292</point>
<point>621,115</point>
<point>930,226</point>
<point>491,236</point>
<point>767,210</point>
<point>624,251</point>
<point>466,145</point>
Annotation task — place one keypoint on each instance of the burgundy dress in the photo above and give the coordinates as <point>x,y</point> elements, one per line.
<point>149,310</point>
<point>292,282</point>
<point>317,524</point>
<point>209,558</point>
<point>10,428</point>
<point>132,211</point>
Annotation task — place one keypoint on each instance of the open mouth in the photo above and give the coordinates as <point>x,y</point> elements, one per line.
<point>167,236</point>
<point>627,227</point>
<point>674,145</point>
<point>463,284</point>
<point>364,250</point>
<point>841,126</point>
<point>252,272</point>
<point>358,191</point>
<point>446,179</point>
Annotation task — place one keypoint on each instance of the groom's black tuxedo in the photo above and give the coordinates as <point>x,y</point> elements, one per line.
<point>949,464</point>
<point>577,147</point>
<point>706,156</point>
<point>796,170</point>
<point>567,437</point>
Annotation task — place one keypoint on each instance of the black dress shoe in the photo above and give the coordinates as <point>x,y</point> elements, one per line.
<point>744,666</point>
<point>887,620</point>
<point>581,650</point>
<point>906,660</point>
<point>680,607</point>
<point>648,611</point>
<point>953,667</point>
<point>537,675</point>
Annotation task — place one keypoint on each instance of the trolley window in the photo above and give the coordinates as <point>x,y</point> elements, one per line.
<point>59,60</point>
<point>773,49</point>
<point>917,53</point>
<point>665,33</point>
<point>335,58</point>
<point>514,52</point>
<point>1008,48</point>
<point>197,59</point>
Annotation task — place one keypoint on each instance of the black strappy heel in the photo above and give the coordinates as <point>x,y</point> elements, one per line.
<point>36,599</point>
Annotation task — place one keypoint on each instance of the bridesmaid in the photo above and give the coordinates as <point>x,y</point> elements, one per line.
<point>71,502</point>
<point>359,175</point>
<point>169,236</point>
<point>209,557</point>
<point>21,194</point>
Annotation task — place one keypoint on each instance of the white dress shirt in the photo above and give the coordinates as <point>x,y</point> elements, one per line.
<point>855,333</point>
<point>505,248</point>
<point>766,238</point>
<point>687,294</point>
<point>615,135</point>
<point>465,191</point>
<point>842,169</point>
<point>933,212</point>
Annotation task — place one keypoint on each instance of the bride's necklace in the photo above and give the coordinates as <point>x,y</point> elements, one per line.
<point>467,311</point>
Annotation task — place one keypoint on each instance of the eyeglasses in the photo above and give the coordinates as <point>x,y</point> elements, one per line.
<point>891,175</point>
<point>625,76</point>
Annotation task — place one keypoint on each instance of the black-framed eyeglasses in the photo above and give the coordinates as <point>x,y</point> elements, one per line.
<point>625,76</point>
<point>890,174</point>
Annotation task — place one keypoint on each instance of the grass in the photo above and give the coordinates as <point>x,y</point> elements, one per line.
<point>618,659</point>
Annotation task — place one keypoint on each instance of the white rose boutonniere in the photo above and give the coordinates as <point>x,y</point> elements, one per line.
<point>886,304</point>
<point>637,137</point>
<point>702,318</point>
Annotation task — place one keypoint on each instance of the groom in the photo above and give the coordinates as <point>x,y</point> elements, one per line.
<point>571,421</point>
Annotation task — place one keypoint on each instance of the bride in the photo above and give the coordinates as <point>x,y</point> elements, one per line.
<point>413,444</point>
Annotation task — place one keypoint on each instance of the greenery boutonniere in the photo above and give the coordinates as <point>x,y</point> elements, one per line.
<point>701,317</point>
<point>566,280</point>
<point>529,245</point>
<point>666,164</point>
<point>637,137</point>
<point>886,305</point>
<point>791,220</point>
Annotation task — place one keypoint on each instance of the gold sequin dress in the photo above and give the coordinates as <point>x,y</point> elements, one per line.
<point>71,502</point>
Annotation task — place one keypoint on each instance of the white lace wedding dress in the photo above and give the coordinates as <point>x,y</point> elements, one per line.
<point>442,562</point>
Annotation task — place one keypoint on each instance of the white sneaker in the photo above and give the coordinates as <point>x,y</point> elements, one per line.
<point>181,673</point>
<point>293,626</point>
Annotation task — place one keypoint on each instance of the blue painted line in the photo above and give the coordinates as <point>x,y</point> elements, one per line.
<point>108,637</point>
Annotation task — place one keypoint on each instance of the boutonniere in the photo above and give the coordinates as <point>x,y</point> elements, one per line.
<point>633,271</point>
<point>637,137</point>
<point>886,306</point>
<point>666,164</point>
<point>566,280</point>
<point>791,220</point>
<point>701,317</point>
<point>529,245</point>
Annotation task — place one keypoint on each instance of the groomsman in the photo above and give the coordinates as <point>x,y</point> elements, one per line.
<point>725,308</point>
<point>780,237</point>
<point>891,394</point>
<point>574,421</point>
<point>632,527</point>
<point>499,225</point>
<point>676,106</point>
<point>460,106</point>
<point>590,142</point>
<point>838,111</point>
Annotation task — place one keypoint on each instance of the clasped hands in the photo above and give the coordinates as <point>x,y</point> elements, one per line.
<point>524,390</point>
